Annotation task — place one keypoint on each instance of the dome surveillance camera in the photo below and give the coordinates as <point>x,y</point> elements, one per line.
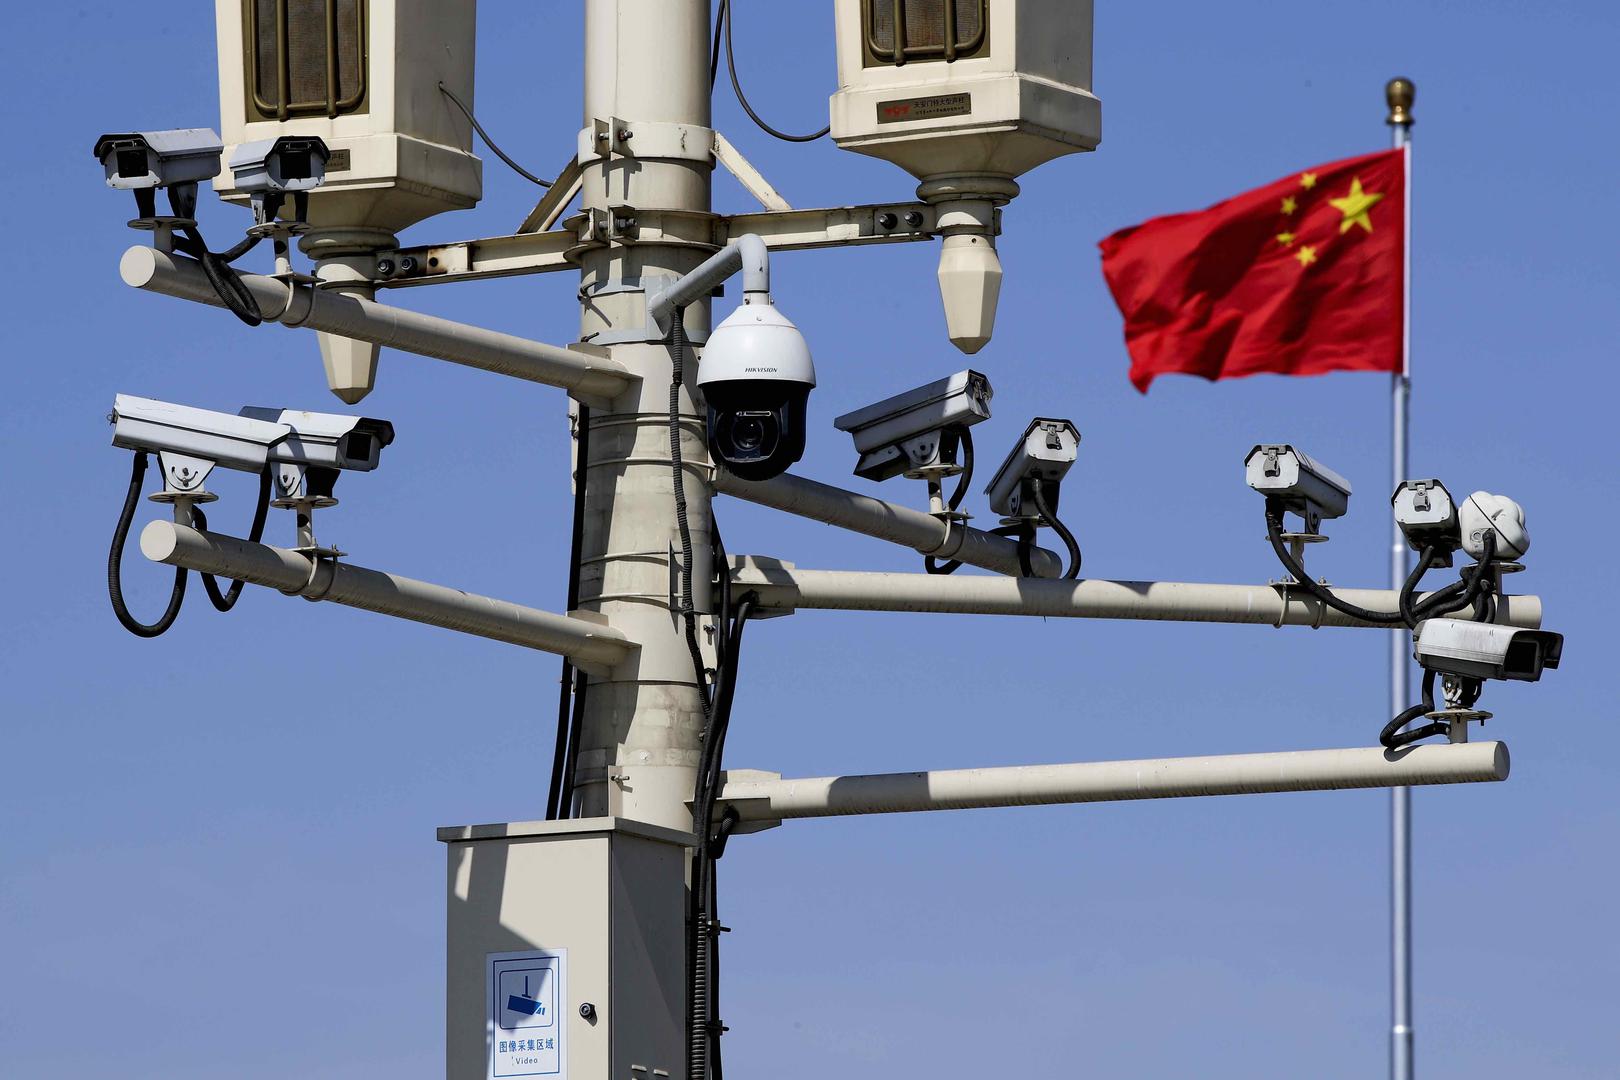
<point>1485,513</point>
<point>756,375</point>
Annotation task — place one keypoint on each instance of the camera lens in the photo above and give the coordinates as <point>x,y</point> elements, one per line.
<point>747,433</point>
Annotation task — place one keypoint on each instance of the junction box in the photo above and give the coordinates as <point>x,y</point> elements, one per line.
<point>566,950</point>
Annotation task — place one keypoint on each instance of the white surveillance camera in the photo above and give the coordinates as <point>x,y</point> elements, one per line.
<point>319,446</point>
<point>756,376</point>
<point>141,161</point>
<point>270,169</point>
<point>1485,651</point>
<point>919,428</point>
<point>1298,482</point>
<point>328,440</point>
<point>1483,514</point>
<point>1427,516</point>
<point>190,442</point>
<point>1045,452</point>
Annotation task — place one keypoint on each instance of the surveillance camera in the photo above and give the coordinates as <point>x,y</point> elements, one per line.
<point>190,442</point>
<point>1427,516</point>
<point>141,161</point>
<point>321,445</point>
<point>1297,481</point>
<point>1045,452</point>
<point>1485,651</point>
<point>269,169</point>
<point>918,428</point>
<point>1484,514</point>
<point>756,376</point>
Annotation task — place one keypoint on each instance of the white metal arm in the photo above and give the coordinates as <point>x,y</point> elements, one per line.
<point>366,320</point>
<point>593,646</point>
<point>1114,781</point>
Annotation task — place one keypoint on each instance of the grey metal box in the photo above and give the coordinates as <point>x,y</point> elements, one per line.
<point>546,917</point>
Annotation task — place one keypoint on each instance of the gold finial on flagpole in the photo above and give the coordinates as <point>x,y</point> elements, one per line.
<point>1399,93</point>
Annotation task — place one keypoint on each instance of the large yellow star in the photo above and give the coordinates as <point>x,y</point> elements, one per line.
<point>1289,205</point>
<point>1306,255</point>
<point>1354,207</point>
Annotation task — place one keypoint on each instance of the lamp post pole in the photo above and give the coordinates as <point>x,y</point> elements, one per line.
<point>647,122</point>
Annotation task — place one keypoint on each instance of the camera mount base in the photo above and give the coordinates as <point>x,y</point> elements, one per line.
<point>1457,721</point>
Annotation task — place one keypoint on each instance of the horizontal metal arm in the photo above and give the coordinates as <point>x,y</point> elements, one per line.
<point>1114,781</point>
<point>887,521</point>
<point>593,646</point>
<point>366,320</point>
<point>783,587</point>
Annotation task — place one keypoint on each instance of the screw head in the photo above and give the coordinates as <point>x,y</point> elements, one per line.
<point>407,265</point>
<point>385,267</point>
<point>587,1010</point>
<point>914,218</point>
<point>887,221</point>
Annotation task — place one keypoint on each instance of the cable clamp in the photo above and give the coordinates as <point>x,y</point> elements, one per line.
<point>317,557</point>
<point>955,526</point>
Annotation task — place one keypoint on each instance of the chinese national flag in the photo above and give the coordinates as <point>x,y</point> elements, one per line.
<point>1300,277</point>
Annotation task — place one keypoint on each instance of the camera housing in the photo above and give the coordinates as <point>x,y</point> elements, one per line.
<point>141,161</point>
<point>1427,516</point>
<point>1485,513</point>
<point>1299,482</point>
<point>756,376</point>
<point>1046,450</point>
<point>270,169</point>
<point>1485,651</point>
<point>918,429</point>
<point>189,442</point>
<point>319,447</point>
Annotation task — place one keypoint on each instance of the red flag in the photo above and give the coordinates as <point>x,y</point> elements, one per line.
<point>1300,277</point>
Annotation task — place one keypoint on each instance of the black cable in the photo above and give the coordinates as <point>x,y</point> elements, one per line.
<point>115,586</point>
<point>703,1027</point>
<point>1426,561</point>
<point>720,14</point>
<point>227,600</point>
<point>930,564</point>
<point>1274,516</point>
<point>1476,584</point>
<point>228,286</point>
<point>555,808</point>
<point>489,142</point>
<point>1393,737</point>
<point>742,99</point>
<point>1038,492</point>
<point>576,723</point>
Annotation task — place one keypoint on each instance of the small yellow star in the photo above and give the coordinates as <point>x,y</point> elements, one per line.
<point>1307,180</point>
<point>1354,207</point>
<point>1306,255</point>
<point>1285,238</point>
<point>1289,205</point>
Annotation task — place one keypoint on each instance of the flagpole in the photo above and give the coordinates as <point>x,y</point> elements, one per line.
<point>1399,94</point>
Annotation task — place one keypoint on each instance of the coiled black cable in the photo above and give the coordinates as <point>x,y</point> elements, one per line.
<point>1038,493</point>
<point>931,564</point>
<point>115,586</point>
<point>1392,736</point>
<point>227,600</point>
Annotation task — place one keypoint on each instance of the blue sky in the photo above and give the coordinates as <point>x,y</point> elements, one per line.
<point>219,853</point>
